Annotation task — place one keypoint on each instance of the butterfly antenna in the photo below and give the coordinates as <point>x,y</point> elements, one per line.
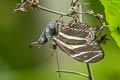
<point>58,64</point>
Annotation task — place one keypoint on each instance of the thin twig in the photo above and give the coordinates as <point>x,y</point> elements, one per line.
<point>52,11</point>
<point>99,17</point>
<point>80,11</point>
<point>73,72</point>
<point>35,4</point>
<point>88,66</point>
<point>57,12</point>
<point>90,72</point>
<point>58,65</point>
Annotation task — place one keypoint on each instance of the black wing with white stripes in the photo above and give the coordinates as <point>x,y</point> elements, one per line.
<point>78,42</point>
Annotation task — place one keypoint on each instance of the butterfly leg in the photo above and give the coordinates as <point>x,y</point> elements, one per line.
<point>54,47</point>
<point>58,65</point>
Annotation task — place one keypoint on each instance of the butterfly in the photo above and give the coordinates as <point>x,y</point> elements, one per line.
<point>77,40</point>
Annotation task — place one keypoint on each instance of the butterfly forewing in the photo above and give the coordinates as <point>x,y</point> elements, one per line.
<point>78,42</point>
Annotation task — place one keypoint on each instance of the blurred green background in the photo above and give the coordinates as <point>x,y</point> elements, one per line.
<point>18,30</point>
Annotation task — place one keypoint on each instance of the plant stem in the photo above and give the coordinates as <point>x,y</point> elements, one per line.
<point>88,66</point>
<point>52,11</point>
<point>80,11</point>
<point>73,72</point>
<point>90,72</point>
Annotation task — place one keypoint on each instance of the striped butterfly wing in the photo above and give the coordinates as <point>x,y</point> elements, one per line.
<point>78,42</point>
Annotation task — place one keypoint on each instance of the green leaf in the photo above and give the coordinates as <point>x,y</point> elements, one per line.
<point>112,12</point>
